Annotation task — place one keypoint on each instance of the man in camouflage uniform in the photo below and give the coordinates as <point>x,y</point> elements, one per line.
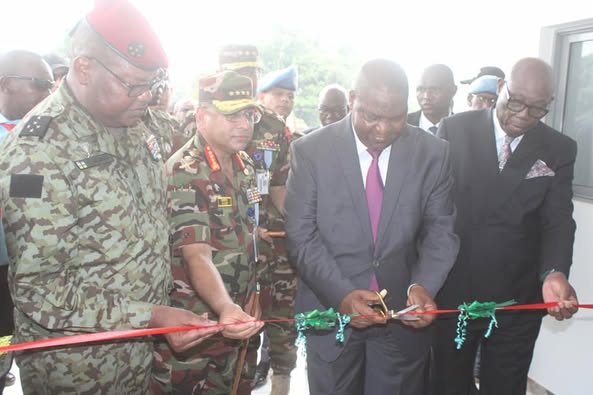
<point>82,185</point>
<point>269,151</point>
<point>213,200</point>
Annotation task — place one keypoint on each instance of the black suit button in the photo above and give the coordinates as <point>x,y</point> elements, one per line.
<point>375,263</point>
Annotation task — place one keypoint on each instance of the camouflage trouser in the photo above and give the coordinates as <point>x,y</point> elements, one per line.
<point>113,368</point>
<point>278,280</point>
<point>208,368</point>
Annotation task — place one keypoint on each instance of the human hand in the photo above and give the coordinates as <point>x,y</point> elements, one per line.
<point>263,234</point>
<point>165,316</point>
<point>556,288</point>
<point>231,314</point>
<point>420,296</point>
<point>357,303</point>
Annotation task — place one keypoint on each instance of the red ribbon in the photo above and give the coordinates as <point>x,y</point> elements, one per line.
<point>126,334</point>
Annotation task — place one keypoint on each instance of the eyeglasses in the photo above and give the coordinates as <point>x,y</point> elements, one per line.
<point>252,116</point>
<point>487,100</point>
<point>515,105</point>
<point>134,90</point>
<point>39,84</point>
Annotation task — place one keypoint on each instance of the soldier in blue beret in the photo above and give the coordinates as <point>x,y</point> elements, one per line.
<point>277,91</point>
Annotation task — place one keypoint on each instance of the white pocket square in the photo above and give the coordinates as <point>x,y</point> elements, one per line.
<point>539,169</point>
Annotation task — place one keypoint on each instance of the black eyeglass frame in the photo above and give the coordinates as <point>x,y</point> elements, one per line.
<point>134,90</point>
<point>516,105</point>
<point>39,84</point>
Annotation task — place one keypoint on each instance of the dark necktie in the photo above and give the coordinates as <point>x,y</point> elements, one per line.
<point>505,152</point>
<point>374,192</point>
<point>433,130</point>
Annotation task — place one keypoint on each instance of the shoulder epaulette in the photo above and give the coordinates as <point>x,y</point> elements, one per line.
<point>36,126</point>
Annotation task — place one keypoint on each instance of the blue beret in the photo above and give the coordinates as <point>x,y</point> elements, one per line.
<point>285,78</point>
<point>484,84</point>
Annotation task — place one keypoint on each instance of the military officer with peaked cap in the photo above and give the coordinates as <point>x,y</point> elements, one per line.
<point>83,190</point>
<point>213,200</point>
<point>269,151</point>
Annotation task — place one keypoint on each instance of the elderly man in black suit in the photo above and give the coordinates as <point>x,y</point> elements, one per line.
<point>513,190</point>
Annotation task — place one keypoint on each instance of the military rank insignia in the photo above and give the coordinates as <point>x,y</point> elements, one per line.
<point>93,161</point>
<point>154,147</point>
<point>253,196</point>
<point>224,201</point>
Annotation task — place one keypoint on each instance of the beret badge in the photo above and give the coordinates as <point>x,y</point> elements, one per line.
<point>136,49</point>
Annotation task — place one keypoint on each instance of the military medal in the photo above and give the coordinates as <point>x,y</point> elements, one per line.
<point>154,147</point>
<point>268,147</point>
<point>253,196</point>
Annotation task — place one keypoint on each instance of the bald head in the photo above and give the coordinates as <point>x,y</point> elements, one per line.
<point>381,74</point>
<point>25,80</point>
<point>534,76</point>
<point>333,104</point>
<point>525,97</point>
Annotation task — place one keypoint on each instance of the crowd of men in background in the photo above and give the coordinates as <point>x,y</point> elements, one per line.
<point>120,214</point>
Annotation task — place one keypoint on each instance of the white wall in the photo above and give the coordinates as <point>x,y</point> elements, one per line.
<point>564,350</point>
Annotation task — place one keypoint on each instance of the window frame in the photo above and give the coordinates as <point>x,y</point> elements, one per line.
<point>555,42</point>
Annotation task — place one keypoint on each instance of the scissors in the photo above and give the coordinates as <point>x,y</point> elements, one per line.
<point>381,308</point>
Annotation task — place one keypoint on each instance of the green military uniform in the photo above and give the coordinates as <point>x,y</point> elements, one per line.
<point>84,210</point>
<point>205,206</point>
<point>269,151</point>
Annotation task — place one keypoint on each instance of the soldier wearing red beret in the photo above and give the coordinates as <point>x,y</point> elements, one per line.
<point>84,208</point>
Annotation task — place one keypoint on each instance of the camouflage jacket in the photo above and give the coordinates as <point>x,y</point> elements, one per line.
<point>271,138</point>
<point>84,211</point>
<point>206,207</point>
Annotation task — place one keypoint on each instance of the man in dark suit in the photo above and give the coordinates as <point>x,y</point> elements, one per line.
<point>513,191</point>
<point>345,248</point>
<point>434,92</point>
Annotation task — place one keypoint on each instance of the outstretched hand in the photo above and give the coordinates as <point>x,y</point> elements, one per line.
<point>165,316</point>
<point>556,288</point>
<point>232,313</point>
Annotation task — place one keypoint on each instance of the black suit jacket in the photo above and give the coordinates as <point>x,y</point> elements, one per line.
<point>414,118</point>
<point>512,229</point>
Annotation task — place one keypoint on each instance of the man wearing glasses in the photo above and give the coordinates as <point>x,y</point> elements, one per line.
<point>213,202</point>
<point>25,80</point>
<point>83,191</point>
<point>333,106</point>
<point>513,190</point>
<point>482,92</point>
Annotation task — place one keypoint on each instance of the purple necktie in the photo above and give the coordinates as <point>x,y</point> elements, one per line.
<point>374,192</point>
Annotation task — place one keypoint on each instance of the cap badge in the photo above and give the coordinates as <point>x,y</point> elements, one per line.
<point>136,49</point>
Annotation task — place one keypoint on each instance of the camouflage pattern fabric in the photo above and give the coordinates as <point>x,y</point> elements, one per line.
<point>186,131</point>
<point>206,207</point>
<point>276,275</point>
<point>84,209</point>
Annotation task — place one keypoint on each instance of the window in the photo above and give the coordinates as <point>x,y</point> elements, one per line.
<point>570,50</point>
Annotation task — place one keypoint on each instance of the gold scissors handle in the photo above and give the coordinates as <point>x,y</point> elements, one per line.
<point>381,308</point>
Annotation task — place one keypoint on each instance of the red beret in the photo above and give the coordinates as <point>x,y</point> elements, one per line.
<point>128,33</point>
